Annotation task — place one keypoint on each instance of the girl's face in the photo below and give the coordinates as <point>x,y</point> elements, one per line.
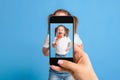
<point>61,14</point>
<point>61,30</point>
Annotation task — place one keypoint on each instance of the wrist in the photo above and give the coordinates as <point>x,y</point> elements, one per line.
<point>93,75</point>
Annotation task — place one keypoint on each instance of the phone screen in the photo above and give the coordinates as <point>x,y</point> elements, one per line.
<point>61,38</point>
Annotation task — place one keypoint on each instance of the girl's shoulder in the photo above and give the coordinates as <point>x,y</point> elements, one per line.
<point>76,35</point>
<point>77,39</point>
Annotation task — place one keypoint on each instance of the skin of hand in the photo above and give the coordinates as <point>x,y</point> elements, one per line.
<point>67,49</point>
<point>56,43</point>
<point>81,46</point>
<point>81,69</point>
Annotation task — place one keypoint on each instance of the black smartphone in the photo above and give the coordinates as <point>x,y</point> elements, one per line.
<point>61,38</point>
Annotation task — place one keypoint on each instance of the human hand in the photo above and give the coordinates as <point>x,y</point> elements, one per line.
<point>67,49</point>
<point>81,69</point>
<point>56,42</point>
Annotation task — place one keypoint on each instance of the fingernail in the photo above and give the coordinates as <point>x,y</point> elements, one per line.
<point>52,66</point>
<point>60,61</point>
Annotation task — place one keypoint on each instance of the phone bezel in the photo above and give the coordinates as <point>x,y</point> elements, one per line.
<point>60,19</point>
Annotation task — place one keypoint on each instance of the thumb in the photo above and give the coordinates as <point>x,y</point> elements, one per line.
<point>67,65</point>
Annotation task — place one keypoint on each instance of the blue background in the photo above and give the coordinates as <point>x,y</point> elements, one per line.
<point>52,34</point>
<point>23,29</point>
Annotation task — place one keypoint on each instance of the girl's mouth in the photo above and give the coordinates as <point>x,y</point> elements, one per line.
<point>60,33</point>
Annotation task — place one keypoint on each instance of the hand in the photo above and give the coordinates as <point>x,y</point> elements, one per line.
<point>81,69</point>
<point>56,42</point>
<point>67,49</point>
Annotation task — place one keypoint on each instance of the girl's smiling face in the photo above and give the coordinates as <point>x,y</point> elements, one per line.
<point>61,30</point>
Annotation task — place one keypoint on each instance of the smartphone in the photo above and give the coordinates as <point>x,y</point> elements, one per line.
<point>61,38</point>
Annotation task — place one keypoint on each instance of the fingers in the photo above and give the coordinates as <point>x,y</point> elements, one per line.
<point>77,57</point>
<point>77,48</point>
<point>65,66</point>
<point>80,58</point>
<point>70,66</point>
<point>57,68</point>
<point>78,53</point>
<point>67,49</point>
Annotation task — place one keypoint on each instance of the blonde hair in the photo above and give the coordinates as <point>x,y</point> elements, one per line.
<point>62,10</point>
<point>75,23</point>
<point>68,13</point>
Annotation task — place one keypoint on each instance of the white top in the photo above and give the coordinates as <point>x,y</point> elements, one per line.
<point>77,40</point>
<point>62,45</point>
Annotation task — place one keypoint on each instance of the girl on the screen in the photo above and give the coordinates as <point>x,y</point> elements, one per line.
<point>61,42</point>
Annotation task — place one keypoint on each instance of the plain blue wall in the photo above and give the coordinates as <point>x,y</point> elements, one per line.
<point>23,29</point>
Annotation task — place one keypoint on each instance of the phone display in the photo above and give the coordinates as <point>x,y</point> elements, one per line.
<point>61,34</point>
